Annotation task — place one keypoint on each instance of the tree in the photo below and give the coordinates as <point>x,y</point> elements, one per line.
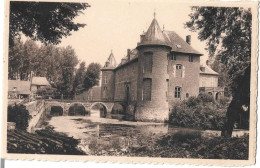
<point>19,115</point>
<point>79,79</point>
<point>15,59</point>
<point>92,75</point>
<point>68,63</point>
<point>228,35</point>
<point>47,22</point>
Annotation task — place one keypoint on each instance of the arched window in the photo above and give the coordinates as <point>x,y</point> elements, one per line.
<point>178,66</point>
<point>177,92</point>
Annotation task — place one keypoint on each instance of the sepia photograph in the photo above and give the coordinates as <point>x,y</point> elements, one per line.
<point>130,79</point>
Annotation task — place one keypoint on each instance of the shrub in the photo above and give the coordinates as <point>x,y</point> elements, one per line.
<point>205,98</point>
<point>19,115</point>
<point>200,112</point>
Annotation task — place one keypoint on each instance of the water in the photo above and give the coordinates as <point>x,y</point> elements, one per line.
<point>113,136</point>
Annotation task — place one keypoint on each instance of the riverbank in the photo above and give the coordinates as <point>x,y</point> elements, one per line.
<point>45,141</point>
<point>86,135</point>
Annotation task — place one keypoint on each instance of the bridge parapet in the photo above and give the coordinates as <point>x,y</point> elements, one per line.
<point>87,105</point>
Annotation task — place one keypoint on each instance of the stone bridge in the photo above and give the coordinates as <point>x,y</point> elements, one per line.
<point>88,105</point>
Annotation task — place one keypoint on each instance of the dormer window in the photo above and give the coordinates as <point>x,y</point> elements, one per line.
<point>178,46</point>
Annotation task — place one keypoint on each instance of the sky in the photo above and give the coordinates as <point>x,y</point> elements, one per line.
<point>117,24</point>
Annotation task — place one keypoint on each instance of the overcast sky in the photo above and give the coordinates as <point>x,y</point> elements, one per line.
<point>117,24</point>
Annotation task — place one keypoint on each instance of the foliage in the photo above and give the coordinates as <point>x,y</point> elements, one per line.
<point>200,112</point>
<point>47,22</point>
<point>26,59</point>
<point>69,61</point>
<point>227,31</point>
<point>203,148</point>
<point>19,115</point>
<point>79,79</point>
<point>92,75</point>
<point>46,92</point>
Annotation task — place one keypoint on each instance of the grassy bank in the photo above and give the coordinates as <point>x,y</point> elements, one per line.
<point>192,145</point>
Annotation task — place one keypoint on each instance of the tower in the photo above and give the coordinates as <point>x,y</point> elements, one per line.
<point>108,78</point>
<point>153,77</point>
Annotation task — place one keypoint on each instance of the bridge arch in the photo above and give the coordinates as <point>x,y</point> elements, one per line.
<point>84,110</point>
<point>56,110</point>
<point>102,113</point>
<point>54,104</point>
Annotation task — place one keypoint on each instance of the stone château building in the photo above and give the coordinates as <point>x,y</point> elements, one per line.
<point>162,70</point>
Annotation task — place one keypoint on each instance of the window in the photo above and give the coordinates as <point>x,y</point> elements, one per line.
<point>178,66</point>
<point>171,56</point>
<point>190,58</point>
<point>177,92</point>
<point>147,88</point>
<point>148,62</point>
<point>105,79</point>
<point>187,95</point>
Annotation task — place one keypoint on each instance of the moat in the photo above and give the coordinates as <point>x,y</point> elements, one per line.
<point>107,136</point>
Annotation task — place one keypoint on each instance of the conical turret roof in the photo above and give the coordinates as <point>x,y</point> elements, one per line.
<point>154,35</point>
<point>111,61</point>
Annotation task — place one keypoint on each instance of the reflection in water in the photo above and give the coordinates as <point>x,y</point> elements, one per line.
<point>109,136</point>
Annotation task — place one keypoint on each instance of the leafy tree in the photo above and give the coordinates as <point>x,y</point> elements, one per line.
<point>68,63</point>
<point>15,59</point>
<point>92,75</point>
<point>47,22</point>
<point>228,35</point>
<point>19,115</point>
<point>79,79</point>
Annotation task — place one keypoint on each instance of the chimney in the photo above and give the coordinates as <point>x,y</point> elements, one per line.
<point>141,37</point>
<point>128,54</point>
<point>188,39</point>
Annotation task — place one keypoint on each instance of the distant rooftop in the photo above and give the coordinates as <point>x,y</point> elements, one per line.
<point>22,87</point>
<point>205,69</point>
<point>42,81</point>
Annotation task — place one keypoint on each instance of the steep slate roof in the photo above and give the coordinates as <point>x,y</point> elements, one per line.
<point>42,81</point>
<point>154,35</point>
<point>111,62</point>
<point>178,44</point>
<point>133,55</point>
<point>208,70</point>
<point>22,87</point>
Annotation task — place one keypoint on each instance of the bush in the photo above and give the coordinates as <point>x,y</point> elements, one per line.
<point>200,112</point>
<point>205,98</point>
<point>19,115</point>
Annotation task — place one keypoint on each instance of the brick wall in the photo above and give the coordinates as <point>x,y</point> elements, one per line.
<point>207,80</point>
<point>107,88</point>
<point>157,108</point>
<point>126,75</point>
<point>187,77</point>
